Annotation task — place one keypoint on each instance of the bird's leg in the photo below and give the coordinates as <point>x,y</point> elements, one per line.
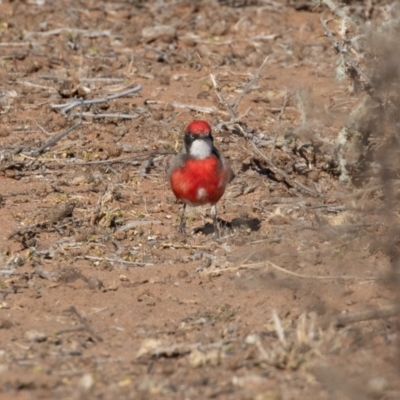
<point>215,222</point>
<point>182,224</point>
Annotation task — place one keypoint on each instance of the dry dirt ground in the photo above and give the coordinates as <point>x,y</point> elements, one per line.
<point>100,296</point>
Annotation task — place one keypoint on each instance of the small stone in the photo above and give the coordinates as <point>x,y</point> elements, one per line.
<point>251,339</point>
<point>79,180</point>
<point>203,94</point>
<point>121,130</point>
<point>148,347</point>
<point>183,274</point>
<point>376,386</point>
<point>11,174</point>
<point>198,255</point>
<point>86,381</point>
<point>120,235</point>
<point>165,33</point>
<point>6,324</point>
<point>197,359</point>
<point>35,336</point>
<point>219,28</point>
<point>95,283</point>
<point>3,368</point>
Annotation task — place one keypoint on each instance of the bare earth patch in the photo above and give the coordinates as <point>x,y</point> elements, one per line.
<point>100,297</point>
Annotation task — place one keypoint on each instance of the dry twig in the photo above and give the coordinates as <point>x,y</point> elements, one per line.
<point>250,83</point>
<point>342,50</point>
<point>55,139</point>
<point>118,260</point>
<point>366,315</point>
<point>82,32</point>
<point>267,263</point>
<point>281,112</point>
<point>111,115</point>
<point>84,322</point>
<point>69,106</point>
<point>289,181</point>
<point>221,98</point>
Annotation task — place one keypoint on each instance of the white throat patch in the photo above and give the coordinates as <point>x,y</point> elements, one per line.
<point>201,148</point>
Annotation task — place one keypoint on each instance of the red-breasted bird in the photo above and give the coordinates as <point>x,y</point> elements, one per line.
<point>199,174</point>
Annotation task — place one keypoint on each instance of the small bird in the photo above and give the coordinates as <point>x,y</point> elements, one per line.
<point>199,174</point>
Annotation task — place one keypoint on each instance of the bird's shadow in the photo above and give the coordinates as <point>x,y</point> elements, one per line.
<point>253,224</point>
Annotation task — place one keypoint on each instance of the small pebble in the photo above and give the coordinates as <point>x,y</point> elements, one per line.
<point>165,33</point>
<point>376,386</point>
<point>3,368</point>
<point>251,339</point>
<point>35,336</point>
<point>94,283</point>
<point>86,381</point>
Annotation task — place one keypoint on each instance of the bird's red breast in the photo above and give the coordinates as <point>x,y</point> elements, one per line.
<point>199,182</point>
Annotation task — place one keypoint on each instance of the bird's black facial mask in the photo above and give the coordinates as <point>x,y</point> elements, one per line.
<point>189,138</point>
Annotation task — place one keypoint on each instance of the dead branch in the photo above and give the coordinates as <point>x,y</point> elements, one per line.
<point>54,140</point>
<point>291,182</point>
<point>235,118</point>
<point>82,32</point>
<point>7,272</point>
<point>193,107</point>
<point>69,106</point>
<point>342,50</point>
<point>104,80</point>
<point>277,267</point>
<point>135,224</point>
<point>84,322</point>
<point>155,348</point>
<point>250,83</point>
<point>182,246</point>
<point>263,264</point>
<point>221,98</point>
<point>44,131</point>
<point>53,218</point>
<point>117,260</point>
<point>366,315</point>
<point>232,121</point>
<point>281,112</point>
<point>145,169</point>
<point>35,85</point>
<point>14,44</point>
<point>111,115</point>
<point>74,161</point>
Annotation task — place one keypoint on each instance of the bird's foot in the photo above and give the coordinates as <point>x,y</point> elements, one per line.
<point>182,228</point>
<point>216,236</point>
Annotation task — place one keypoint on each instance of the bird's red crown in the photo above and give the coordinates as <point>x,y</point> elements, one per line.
<point>199,127</point>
